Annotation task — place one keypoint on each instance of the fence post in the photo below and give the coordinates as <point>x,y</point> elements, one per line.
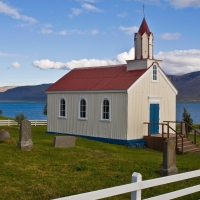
<point>136,195</point>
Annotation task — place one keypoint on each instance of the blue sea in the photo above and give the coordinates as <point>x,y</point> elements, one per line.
<point>34,110</point>
<point>193,108</point>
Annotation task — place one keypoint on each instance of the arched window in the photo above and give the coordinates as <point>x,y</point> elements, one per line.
<point>155,73</point>
<point>82,108</point>
<point>62,112</point>
<point>105,109</point>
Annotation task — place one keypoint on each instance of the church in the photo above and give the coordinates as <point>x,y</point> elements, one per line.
<point>112,103</point>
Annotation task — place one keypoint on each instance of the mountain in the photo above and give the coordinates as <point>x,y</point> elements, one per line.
<point>25,93</point>
<point>188,86</point>
<point>4,88</point>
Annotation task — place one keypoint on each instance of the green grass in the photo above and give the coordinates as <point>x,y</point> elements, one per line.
<point>3,117</point>
<point>47,172</point>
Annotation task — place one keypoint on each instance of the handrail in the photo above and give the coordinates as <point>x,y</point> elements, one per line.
<point>154,123</point>
<point>177,134</point>
<point>168,128</point>
<point>188,125</point>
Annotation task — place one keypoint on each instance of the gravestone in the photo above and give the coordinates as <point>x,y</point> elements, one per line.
<point>25,138</point>
<point>4,135</point>
<point>64,141</point>
<point>169,158</point>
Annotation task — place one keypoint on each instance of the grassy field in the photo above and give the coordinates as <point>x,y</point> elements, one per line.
<point>47,172</point>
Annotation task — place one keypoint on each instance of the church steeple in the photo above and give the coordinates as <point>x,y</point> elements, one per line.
<point>144,28</point>
<point>143,42</point>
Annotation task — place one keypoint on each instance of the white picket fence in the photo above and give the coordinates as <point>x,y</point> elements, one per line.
<point>138,185</point>
<point>9,122</point>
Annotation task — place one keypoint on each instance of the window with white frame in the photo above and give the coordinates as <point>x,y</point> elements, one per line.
<point>62,112</point>
<point>155,73</point>
<point>105,109</point>
<point>82,108</point>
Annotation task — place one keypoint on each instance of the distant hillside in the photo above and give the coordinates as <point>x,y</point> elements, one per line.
<point>188,86</point>
<point>4,88</point>
<point>25,93</point>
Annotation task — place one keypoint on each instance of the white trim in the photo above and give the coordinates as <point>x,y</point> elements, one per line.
<point>154,81</point>
<point>155,100</point>
<point>168,81</point>
<point>148,71</point>
<point>59,116</point>
<point>86,114</point>
<point>101,119</point>
<point>86,91</point>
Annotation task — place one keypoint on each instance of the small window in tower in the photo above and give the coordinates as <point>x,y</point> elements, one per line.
<point>155,73</point>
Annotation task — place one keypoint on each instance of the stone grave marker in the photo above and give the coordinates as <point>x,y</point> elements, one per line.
<point>169,158</point>
<point>25,137</point>
<point>4,135</point>
<point>64,141</point>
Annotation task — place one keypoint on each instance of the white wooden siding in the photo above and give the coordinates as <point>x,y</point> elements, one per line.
<point>138,46</point>
<point>138,104</point>
<point>116,129</point>
<point>151,46</point>
<point>145,46</point>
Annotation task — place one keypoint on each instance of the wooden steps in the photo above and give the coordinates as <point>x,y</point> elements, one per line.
<point>156,142</point>
<point>188,146</point>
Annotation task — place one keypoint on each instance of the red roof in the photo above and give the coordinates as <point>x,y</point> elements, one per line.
<point>97,78</point>
<point>144,28</point>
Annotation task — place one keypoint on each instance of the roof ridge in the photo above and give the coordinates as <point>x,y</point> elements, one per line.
<point>104,66</point>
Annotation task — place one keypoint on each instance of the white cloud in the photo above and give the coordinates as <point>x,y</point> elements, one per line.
<point>62,33</point>
<point>75,12</point>
<point>89,7</point>
<point>8,55</point>
<point>184,3</point>
<point>174,62</point>
<point>90,1</point>
<point>120,58</point>
<point>129,30</point>
<point>45,30</point>
<point>15,65</point>
<point>170,36</point>
<point>122,15</point>
<point>14,13</point>
<point>94,32</point>
<point>180,61</point>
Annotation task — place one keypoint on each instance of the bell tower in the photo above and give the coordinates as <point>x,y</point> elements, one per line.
<point>143,42</point>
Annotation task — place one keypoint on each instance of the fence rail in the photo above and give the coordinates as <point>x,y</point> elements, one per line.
<point>9,122</point>
<point>137,185</point>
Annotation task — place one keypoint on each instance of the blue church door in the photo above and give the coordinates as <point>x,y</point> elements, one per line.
<point>154,117</point>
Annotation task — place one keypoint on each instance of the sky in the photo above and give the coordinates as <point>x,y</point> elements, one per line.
<point>42,40</point>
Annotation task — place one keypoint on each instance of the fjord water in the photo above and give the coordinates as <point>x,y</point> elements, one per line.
<point>193,108</point>
<point>34,110</point>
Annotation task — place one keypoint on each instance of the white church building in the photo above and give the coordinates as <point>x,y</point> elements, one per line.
<point>111,103</point>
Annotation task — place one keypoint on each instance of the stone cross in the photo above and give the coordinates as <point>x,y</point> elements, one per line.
<point>169,158</point>
<point>25,138</point>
